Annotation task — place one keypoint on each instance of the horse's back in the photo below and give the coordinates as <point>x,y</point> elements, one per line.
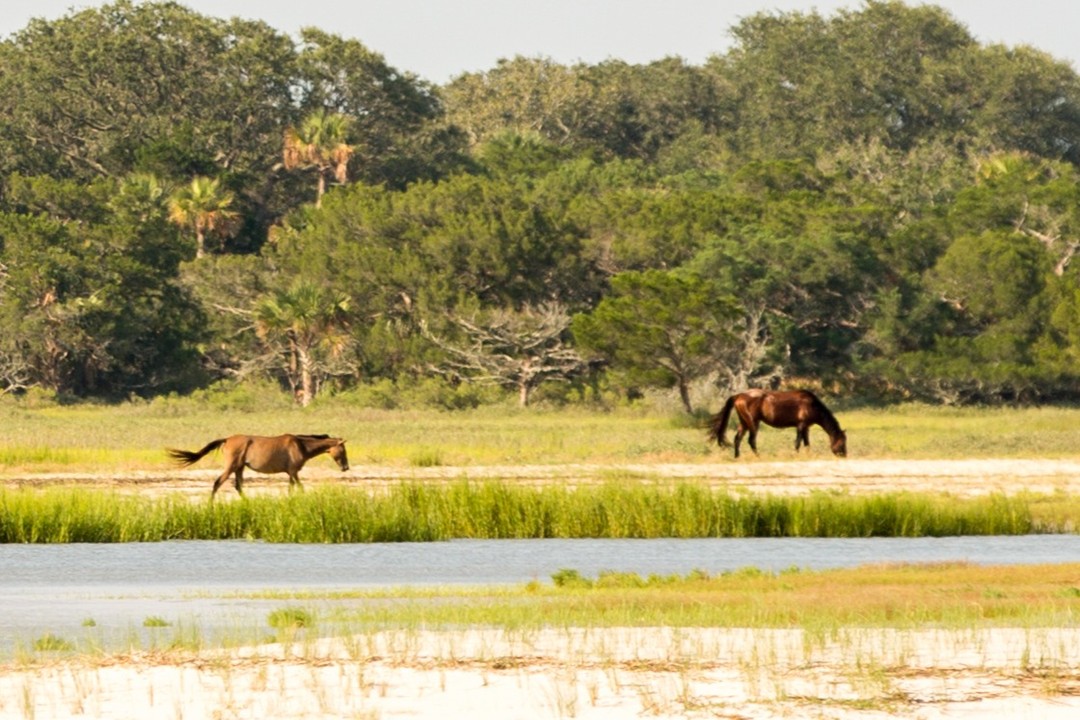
<point>268,454</point>
<point>787,408</point>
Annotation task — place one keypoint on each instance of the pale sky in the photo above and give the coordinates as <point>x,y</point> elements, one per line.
<point>439,39</point>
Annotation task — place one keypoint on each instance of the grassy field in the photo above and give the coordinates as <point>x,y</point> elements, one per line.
<point>101,440</point>
<point>132,436</point>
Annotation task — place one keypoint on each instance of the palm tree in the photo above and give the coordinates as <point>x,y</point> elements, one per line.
<point>308,317</point>
<point>204,208</point>
<point>319,143</point>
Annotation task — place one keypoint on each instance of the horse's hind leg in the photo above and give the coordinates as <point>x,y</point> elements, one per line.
<point>234,469</point>
<point>738,438</point>
<point>218,483</point>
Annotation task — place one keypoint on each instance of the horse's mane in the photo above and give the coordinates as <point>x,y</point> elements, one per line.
<point>829,423</point>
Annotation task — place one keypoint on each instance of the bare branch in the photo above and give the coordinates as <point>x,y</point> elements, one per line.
<point>521,350</point>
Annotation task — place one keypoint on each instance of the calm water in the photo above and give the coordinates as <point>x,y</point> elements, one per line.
<point>57,588</point>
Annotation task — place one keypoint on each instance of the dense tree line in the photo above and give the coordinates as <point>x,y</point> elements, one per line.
<point>871,201</point>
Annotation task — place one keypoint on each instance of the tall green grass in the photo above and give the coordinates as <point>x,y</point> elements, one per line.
<point>495,510</point>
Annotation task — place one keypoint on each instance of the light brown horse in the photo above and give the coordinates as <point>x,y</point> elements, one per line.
<point>792,408</point>
<point>284,453</point>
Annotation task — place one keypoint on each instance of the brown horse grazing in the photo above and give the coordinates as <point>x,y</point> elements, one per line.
<point>284,453</point>
<point>795,408</point>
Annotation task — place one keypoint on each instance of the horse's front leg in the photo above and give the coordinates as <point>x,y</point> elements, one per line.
<point>802,437</point>
<point>294,482</point>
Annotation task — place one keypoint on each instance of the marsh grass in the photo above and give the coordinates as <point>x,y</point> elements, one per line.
<point>131,436</point>
<point>416,512</point>
<point>290,618</point>
<point>944,596</point>
<point>52,643</point>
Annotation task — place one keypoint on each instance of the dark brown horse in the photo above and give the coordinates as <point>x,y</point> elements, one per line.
<point>284,453</point>
<point>794,408</point>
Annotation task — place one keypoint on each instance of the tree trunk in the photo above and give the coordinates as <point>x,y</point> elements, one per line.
<point>684,395</point>
<point>307,376</point>
<point>200,244</point>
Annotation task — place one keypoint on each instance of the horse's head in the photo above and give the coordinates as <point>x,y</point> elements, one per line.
<point>337,451</point>
<point>839,444</point>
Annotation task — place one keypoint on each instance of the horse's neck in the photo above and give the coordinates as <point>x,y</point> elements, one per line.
<point>829,423</point>
<point>315,446</point>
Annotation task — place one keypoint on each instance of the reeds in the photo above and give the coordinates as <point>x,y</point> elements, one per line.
<point>416,512</point>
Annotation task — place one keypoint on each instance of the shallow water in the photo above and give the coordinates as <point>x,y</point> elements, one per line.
<point>58,588</point>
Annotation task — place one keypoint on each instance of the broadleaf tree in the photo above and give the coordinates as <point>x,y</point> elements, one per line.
<point>659,329</point>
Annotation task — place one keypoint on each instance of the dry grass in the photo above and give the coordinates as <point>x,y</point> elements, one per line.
<point>131,437</point>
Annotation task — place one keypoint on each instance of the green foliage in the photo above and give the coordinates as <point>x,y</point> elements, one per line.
<point>801,207</point>
<point>1000,283</point>
<point>659,328</point>
<point>93,307</point>
<point>434,392</point>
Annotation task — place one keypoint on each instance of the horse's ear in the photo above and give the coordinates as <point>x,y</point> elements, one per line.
<point>341,442</point>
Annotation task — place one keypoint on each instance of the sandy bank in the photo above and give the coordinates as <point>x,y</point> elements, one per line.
<point>572,673</point>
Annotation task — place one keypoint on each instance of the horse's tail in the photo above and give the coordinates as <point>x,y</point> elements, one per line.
<point>186,457</point>
<point>718,423</point>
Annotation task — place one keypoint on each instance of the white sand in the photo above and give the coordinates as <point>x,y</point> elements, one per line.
<point>591,674</point>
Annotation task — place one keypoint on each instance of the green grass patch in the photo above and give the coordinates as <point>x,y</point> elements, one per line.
<point>495,510</point>
<point>52,643</point>
<point>290,618</point>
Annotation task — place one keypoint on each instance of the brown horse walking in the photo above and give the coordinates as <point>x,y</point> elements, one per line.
<point>794,408</point>
<point>284,453</point>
